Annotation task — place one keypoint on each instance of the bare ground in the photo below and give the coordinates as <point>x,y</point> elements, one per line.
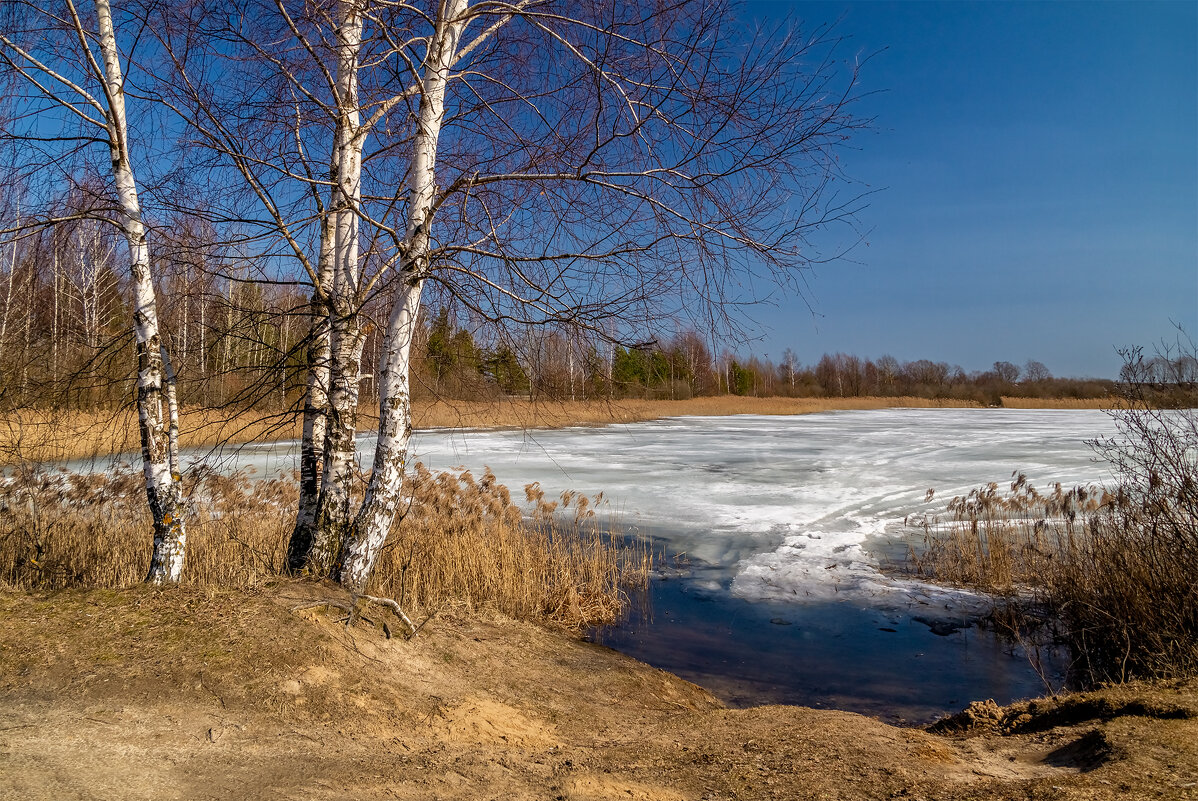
<point>149,694</point>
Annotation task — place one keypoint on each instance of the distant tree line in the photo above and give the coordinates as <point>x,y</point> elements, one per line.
<point>241,341</point>
<point>553,366</point>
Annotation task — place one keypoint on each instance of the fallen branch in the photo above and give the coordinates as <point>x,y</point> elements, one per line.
<point>395,607</point>
<point>353,612</point>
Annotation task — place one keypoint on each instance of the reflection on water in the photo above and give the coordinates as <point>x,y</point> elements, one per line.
<point>825,654</point>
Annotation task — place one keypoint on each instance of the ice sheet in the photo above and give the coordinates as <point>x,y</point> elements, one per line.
<point>778,507</point>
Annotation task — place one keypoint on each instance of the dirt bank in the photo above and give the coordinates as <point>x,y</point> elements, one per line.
<point>147,694</point>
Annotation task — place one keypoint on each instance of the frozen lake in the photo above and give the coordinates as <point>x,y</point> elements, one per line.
<point>772,524</point>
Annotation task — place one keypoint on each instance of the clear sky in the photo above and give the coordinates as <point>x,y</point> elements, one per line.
<point>1037,175</point>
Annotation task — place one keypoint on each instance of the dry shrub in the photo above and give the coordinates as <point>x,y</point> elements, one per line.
<point>1116,569</point>
<point>460,540</point>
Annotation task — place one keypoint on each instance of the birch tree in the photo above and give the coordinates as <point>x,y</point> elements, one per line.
<point>652,163</point>
<point>321,73</point>
<point>601,168</point>
<point>68,63</point>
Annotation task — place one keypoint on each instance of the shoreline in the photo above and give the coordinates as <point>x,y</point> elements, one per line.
<point>266,694</point>
<point>38,436</point>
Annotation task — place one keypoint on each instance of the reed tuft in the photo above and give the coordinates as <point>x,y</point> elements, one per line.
<point>1113,572</point>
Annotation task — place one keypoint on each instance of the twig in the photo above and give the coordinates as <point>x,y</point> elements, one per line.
<point>344,607</point>
<point>432,615</point>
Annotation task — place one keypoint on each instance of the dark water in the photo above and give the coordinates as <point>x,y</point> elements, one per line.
<point>837,655</point>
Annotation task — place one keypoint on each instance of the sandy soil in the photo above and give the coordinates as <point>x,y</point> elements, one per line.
<point>147,694</point>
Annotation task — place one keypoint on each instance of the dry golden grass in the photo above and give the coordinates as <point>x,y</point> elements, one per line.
<point>1113,569</point>
<point>31,435</point>
<point>1059,403</point>
<point>461,541</point>
<point>509,413</point>
<point>1003,542</point>
<point>39,436</point>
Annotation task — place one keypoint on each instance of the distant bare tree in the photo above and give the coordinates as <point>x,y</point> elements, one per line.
<point>1035,371</point>
<point>1006,372</point>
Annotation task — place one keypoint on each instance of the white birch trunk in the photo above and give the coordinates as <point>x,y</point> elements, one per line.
<point>12,273</point>
<point>54,337</point>
<point>381,502</point>
<point>345,331</point>
<point>333,511</point>
<point>316,403</point>
<point>163,485</point>
<point>172,406</point>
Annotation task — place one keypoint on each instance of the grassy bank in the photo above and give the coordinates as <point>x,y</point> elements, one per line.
<point>39,436</point>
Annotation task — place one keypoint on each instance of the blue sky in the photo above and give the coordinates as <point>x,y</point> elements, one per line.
<point>1036,168</point>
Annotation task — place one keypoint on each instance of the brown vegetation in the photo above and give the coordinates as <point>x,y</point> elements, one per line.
<point>42,436</point>
<point>461,541</point>
<point>1058,403</point>
<point>1113,567</point>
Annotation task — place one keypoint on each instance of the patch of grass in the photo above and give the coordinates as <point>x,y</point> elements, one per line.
<point>465,539</point>
<point>460,541</point>
<point>1005,543</point>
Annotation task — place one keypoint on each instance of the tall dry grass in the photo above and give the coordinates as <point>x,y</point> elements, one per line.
<point>460,540</point>
<point>466,539</point>
<point>1112,572</point>
<point>1059,403</point>
<point>1006,543</point>
<point>44,436</point>
<point>57,436</point>
<point>517,413</point>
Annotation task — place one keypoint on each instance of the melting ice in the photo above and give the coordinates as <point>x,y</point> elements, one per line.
<point>779,507</point>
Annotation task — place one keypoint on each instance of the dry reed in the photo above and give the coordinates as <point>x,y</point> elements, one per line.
<point>44,436</point>
<point>1058,403</point>
<point>1113,573</point>
<point>461,541</point>
<point>1005,543</point>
